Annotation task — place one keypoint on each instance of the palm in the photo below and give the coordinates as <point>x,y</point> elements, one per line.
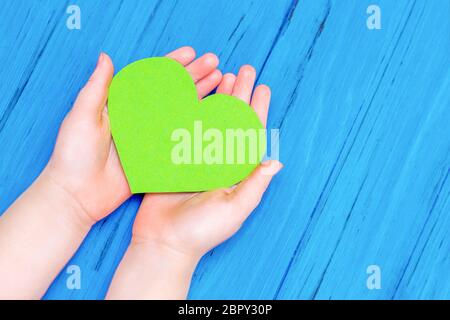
<point>189,214</point>
<point>85,160</point>
<point>206,77</point>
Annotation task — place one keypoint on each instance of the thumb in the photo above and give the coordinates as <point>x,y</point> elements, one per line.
<point>92,98</point>
<point>249,192</point>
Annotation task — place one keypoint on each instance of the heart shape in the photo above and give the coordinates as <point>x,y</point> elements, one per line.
<point>169,141</point>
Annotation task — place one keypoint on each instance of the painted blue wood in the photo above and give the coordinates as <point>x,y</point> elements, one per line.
<point>364,124</point>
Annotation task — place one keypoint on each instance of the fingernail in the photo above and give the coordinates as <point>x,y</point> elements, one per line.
<point>271,167</point>
<point>100,58</point>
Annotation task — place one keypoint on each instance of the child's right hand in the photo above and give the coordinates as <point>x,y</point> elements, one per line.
<point>172,231</point>
<point>194,223</point>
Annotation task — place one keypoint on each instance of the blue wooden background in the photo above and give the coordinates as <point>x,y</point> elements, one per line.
<point>364,117</point>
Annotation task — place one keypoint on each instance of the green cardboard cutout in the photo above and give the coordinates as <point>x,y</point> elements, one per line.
<point>169,141</point>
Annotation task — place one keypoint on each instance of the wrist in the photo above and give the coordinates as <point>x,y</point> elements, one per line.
<point>161,250</point>
<point>63,204</point>
<point>150,270</point>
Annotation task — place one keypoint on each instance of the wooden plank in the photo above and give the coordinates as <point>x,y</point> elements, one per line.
<point>363,116</point>
<point>388,185</point>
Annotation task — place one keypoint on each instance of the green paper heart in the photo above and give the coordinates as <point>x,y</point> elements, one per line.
<point>169,141</point>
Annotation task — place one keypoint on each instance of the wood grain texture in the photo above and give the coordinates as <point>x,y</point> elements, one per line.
<point>364,126</point>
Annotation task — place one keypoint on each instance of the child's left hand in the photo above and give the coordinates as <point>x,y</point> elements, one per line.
<point>85,162</point>
<point>81,184</point>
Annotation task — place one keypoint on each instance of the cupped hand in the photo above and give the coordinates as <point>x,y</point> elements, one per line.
<point>194,223</point>
<point>85,163</point>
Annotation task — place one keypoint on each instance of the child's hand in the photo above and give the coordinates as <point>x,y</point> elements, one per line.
<point>173,231</point>
<point>85,162</point>
<point>192,224</point>
<point>81,184</point>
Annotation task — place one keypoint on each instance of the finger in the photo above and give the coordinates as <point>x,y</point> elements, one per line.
<point>92,98</point>
<point>249,192</point>
<point>227,84</point>
<point>260,102</point>
<point>244,83</point>
<point>208,83</point>
<point>202,66</point>
<point>183,55</point>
